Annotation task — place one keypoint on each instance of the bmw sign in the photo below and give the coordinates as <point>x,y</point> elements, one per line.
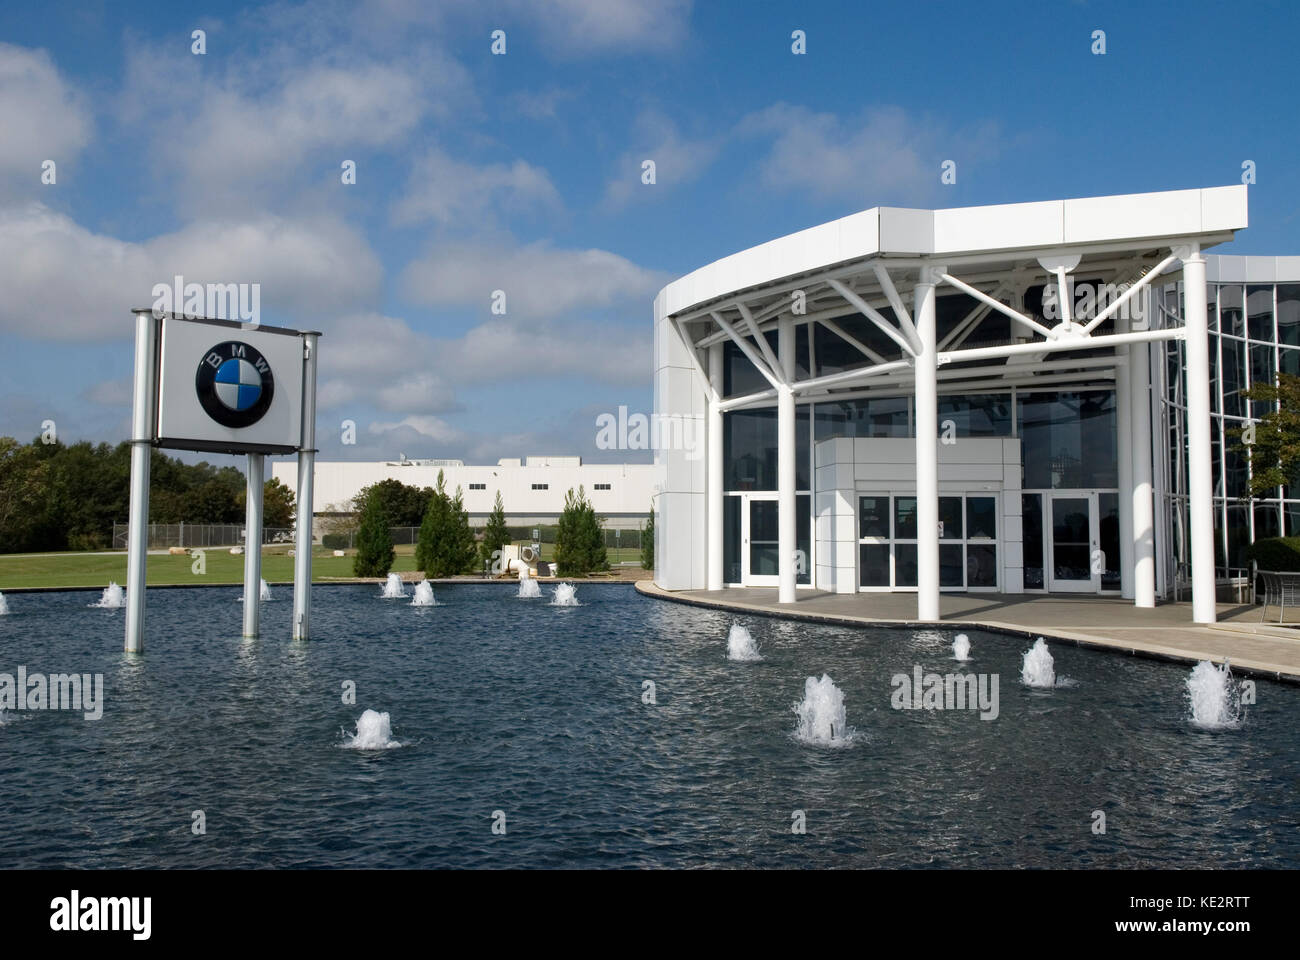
<point>227,388</point>
<point>235,384</point>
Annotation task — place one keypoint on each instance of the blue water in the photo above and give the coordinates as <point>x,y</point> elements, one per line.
<point>512,705</point>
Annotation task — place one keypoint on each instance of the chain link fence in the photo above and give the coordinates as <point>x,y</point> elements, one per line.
<point>165,535</point>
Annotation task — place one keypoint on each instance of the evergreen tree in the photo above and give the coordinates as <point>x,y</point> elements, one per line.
<point>375,551</point>
<point>495,535</point>
<point>579,538</point>
<point>648,541</point>
<point>446,544</point>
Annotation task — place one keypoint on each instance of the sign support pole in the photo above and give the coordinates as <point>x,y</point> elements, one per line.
<point>253,545</point>
<point>304,495</point>
<point>142,424</point>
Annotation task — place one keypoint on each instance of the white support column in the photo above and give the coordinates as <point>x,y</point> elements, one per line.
<point>256,469</point>
<point>1143,515</point>
<point>1199,482</point>
<point>713,441</point>
<point>1124,437</point>
<point>786,437</point>
<point>142,425</point>
<point>304,498</point>
<point>927,451</point>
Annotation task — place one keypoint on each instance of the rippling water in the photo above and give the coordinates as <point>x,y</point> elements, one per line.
<point>503,704</point>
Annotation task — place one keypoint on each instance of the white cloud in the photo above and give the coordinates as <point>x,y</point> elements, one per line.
<point>41,116</point>
<point>539,280</point>
<point>242,138</point>
<point>448,191</point>
<point>678,160</point>
<point>426,427</point>
<point>580,26</point>
<point>63,282</point>
<point>883,156</point>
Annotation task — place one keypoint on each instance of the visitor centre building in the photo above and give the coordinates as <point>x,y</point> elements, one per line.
<point>1033,397</point>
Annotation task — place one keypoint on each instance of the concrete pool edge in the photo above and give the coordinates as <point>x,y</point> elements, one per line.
<point>1272,670</point>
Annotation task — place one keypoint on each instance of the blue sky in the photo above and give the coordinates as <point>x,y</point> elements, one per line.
<point>522,172</point>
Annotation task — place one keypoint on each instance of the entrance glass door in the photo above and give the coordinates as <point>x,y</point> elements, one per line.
<point>1074,543</point>
<point>760,554</point>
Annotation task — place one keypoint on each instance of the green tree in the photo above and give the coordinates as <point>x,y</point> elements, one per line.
<point>406,505</point>
<point>1274,449</point>
<point>579,538</point>
<point>648,541</point>
<point>375,553</point>
<point>277,504</point>
<point>446,544</point>
<point>495,535</point>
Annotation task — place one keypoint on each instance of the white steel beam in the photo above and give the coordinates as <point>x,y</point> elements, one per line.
<point>875,317</point>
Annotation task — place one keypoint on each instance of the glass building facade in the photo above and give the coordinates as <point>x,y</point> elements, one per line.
<point>1253,306</point>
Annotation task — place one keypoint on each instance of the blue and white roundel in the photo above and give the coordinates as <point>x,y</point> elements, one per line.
<point>237,384</point>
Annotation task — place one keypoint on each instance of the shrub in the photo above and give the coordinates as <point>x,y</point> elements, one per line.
<point>446,544</point>
<point>579,539</point>
<point>335,541</point>
<point>495,535</point>
<point>648,542</point>
<point>1275,553</point>
<point>375,551</point>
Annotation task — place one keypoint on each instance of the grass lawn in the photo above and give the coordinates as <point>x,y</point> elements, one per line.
<point>97,569</point>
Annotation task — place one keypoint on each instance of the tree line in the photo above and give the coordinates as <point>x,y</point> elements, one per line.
<point>447,543</point>
<point>57,496</point>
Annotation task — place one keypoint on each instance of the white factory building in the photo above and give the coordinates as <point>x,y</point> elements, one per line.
<point>532,488</point>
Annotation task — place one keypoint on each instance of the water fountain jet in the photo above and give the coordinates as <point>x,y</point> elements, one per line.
<point>393,589</point>
<point>1037,669</point>
<point>741,645</point>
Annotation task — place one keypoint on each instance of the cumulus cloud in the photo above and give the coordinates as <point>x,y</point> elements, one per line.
<point>449,192</point>
<point>884,155</point>
<point>678,159</point>
<point>65,282</point>
<point>538,279</point>
<point>610,25</point>
<point>42,117</point>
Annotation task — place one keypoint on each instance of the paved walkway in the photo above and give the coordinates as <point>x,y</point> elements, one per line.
<point>1166,632</point>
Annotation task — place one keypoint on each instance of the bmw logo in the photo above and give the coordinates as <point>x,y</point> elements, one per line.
<point>235,384</point>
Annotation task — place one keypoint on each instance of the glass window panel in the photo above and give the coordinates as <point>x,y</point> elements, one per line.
<point>951,565</point>
<point>982,565</point>
<point>1232,316</point>
<point>873,565</point>
<point>905,518</point>
<point>1069,439</point>
<point>1288,314</point>
<point>950,518</point>
<point>1108,523</point>
<point>1071,553</point>
<point>1238,535</point>
<point>977,416</point>
<point>904,564</point>
<point>1232,373</point>
<point>1234,469</point>
<point>731,539</point>
<point>764,555</point>
<point>1292,511</point>
<point>1290,362</point>
<point>981,518</point>
<point>1263,370</point>
<point>1259,312</point>
<point>873,517</point>
<point>803,536</point>
<point>1267,521</point>
<point>750,450</point>
<point>1032,531</point>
